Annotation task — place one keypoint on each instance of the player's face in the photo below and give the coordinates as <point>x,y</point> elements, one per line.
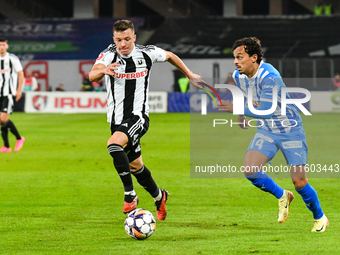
<point>124,41</point>
<point>3,48</point>
<point>244,63</point>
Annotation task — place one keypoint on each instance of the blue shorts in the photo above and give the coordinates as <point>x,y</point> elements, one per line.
<point>293,146</point>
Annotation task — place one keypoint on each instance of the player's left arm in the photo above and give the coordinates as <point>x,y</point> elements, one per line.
<point>195,79</point>
<point>20,84</point>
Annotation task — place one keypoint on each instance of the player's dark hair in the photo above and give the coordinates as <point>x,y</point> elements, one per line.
<point>252,46</point>
<point>3,39</point>
<point>122,25</point>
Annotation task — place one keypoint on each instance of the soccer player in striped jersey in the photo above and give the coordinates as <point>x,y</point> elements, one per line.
<point>11,82</point>
<point>126,67</point>
<point>275,131</point>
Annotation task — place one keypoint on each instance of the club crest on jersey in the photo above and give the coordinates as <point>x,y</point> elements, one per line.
<point>101,55</point>
<point>256,103</point>
<point>130,76</point>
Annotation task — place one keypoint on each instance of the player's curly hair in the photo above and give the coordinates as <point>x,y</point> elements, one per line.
<point>122,25</point>
<point>252,46</point>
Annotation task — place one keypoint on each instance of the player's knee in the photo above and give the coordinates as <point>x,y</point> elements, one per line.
<point>111,141</point>
<point>249,170</point>
<point>3,118</point>
<point>118,138</point>
<point>142,174</point>
<point>114,141</point>
<point>299,183</point>
<point>136,166</point>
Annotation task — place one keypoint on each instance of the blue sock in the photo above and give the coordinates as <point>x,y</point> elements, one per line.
<point>310,197</point>
<point>264,182</point>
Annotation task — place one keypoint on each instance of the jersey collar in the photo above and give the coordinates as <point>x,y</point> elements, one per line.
<point>131,53</point>
<point>4,56</point>
<point>258,69</point>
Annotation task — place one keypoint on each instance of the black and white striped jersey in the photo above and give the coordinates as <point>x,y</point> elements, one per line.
<point>9,67</point>
<point>127,90</point>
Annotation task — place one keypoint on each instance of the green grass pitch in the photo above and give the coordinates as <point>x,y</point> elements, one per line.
<point>61,195</point>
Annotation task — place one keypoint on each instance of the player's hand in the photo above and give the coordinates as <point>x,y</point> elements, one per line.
<point>110,69</point>
<point>18,96</point>
<point>244,120</point>
<point>226,106</point>
<point>196,80</point>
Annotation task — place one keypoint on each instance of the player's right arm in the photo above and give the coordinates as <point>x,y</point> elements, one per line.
<point>103,65</point>
<point>227,106</point>
<point>99,70</point>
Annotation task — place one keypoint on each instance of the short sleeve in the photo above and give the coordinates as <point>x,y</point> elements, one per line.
<point>16,64</point>
<point>158,54</point>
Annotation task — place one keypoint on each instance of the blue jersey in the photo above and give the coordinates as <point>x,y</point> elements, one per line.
<point>262,84</point>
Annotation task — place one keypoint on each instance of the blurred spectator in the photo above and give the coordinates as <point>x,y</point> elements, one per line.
<point>323,7</point>
<point>60,87</point>
<point>230,79</point>
<point>183,83</point>
<point>327,8</point>
<point>336,82</point>
<point>30,82</point>
<point>318,8</point>
<point>98,85</point>
<point>87,85</point>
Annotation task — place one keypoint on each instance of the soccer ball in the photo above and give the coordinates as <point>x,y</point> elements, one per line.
<point>140,224</point>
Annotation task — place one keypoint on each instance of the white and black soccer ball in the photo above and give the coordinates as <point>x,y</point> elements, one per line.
<point>140,224</point>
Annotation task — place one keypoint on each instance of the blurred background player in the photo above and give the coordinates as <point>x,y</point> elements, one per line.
<point>11,82</point>
<point>125,67</point>
<point>252,72</point>
<point>336,82</point>
<point>98,85</point>
<point>30,82</point>
<point>60,87</point>
<point>183,83</point>
<point>230,79</point>
<point>87,84</point>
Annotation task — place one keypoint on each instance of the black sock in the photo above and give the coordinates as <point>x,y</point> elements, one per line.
<point>145,179</point>
<point>4,134</point>
<point>13,129</point>
<point>121,163</point>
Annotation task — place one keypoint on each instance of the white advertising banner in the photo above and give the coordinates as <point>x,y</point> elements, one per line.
<point>325,101</point>
<point>82,102</point>
<point>158,102</point>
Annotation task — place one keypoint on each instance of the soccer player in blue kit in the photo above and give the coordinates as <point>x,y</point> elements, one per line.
<point>275,131</point>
